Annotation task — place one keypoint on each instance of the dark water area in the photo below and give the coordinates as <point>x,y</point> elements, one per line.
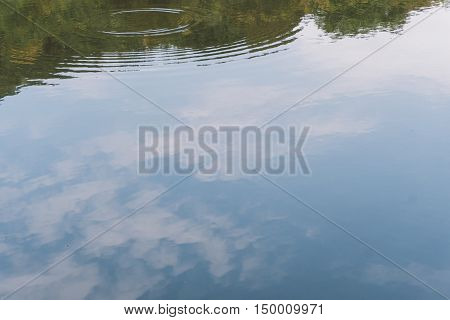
<point>77,78</point>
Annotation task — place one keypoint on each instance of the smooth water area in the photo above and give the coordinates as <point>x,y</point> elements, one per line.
<point>379,149</point>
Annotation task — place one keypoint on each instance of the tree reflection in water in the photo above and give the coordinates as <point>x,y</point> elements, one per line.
<point>124,34</point>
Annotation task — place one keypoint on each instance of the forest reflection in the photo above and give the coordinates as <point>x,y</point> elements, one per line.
<point>130,35</point>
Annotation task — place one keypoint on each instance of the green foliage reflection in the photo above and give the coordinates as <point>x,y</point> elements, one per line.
<point>197,30</point>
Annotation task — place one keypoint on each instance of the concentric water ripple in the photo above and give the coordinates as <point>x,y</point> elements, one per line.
<point>129,36</point>
<point>183,35</point>
<point>159,31</point>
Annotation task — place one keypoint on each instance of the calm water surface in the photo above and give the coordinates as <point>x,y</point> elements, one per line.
<point>379,149</point>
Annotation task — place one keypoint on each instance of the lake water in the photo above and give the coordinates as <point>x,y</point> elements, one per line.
<point>76,77</point>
